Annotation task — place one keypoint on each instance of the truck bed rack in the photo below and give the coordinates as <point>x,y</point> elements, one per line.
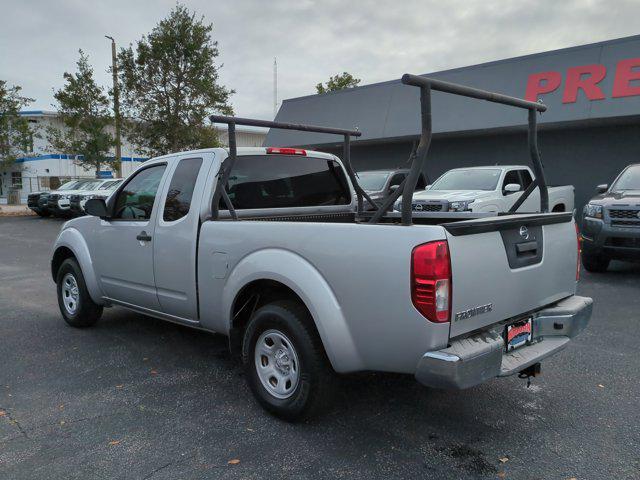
<point>408,185</point>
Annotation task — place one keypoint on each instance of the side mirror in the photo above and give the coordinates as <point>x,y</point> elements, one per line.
<point>96,207</point>
<point>602,188</point>
<point>393,188</point>
<point>511,188</point>
<point>427,187</point>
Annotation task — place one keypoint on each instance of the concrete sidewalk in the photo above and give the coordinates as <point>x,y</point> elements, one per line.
<point>14,210</point>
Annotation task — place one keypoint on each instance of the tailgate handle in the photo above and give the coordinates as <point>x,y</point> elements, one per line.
<point>525,247</point>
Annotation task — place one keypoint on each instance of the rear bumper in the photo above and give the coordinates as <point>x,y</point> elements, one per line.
<point>473,360</point>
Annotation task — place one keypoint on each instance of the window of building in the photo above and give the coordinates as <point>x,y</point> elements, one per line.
<point>16,179</point>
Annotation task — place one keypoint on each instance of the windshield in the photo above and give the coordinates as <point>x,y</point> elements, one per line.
<point>89,186</point>
<point>68,185</point>
<point>109,185</point>
<point>629,180</point>
<point>372,181</point>
<point>472,179</point>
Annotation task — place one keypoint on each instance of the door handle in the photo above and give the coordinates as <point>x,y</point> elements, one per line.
<point>143,237</point>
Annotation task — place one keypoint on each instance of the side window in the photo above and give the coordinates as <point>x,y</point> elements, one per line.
<point>135,200</point>
<point>180,190</point>
<point>526,179</point>
<point>511,177</point>
<point>397,179</point>
<point>285,181</point>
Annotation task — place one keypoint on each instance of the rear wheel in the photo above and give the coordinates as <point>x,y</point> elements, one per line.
<point>595,263</point>
<point>285,363</point>
<point>76,305</point>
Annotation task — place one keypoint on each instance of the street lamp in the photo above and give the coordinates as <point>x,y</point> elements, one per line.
<point>116,105</point>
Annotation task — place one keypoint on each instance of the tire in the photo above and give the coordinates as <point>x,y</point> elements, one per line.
<point>76,305</point>
<point>43,213</point>
<point>595,263</point>
<point>295,360</point>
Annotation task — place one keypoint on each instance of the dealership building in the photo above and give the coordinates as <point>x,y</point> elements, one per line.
<point>590,131</point>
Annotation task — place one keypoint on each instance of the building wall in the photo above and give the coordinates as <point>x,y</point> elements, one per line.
<point>583,157</point>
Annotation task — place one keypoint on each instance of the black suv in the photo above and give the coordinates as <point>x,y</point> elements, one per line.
<point>611,222</point>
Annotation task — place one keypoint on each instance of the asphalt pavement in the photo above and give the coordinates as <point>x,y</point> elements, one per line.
<point>138,398</point>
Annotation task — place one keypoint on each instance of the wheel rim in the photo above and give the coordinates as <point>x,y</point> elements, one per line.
<point>277,364</point>
<point>70,294</point>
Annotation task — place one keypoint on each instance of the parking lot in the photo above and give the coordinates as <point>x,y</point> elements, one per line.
<point>135,397</point>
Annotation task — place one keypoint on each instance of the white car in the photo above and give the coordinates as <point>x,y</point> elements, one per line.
<point>488,189</point>
<point>106,188</point>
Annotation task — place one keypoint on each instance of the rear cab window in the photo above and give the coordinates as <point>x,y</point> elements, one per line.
<point>286,181</point>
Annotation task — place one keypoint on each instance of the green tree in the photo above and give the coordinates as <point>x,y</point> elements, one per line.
<point>84,108</point>
<point>338,82</point>
<point>15,134</point>
<point>170,86</point>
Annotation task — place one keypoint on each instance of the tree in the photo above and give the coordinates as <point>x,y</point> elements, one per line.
<point>15,134</point>
<point>170,85</point>
<point>338,82</point>
<point>84,108</point>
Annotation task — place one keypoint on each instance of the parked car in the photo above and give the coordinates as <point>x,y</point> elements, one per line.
<point>37,201</point>
<point>77,201</point>
<point>270,247</point>
<point>59,202</point>
<point>380,183</point>
<point>611,222</point>
<point>487,189</point>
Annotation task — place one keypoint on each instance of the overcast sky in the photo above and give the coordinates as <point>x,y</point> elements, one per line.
<point>374,40</point>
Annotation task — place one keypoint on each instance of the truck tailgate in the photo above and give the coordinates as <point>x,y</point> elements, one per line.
<point>504,267</point>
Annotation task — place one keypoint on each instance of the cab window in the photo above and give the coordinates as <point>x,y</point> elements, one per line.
<point>180,191</point>
<point>135,200</point>
<point>284,181</point>
<point>511,177</point>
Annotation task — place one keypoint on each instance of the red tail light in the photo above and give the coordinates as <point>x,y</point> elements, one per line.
<point>287,151</point>
<point>431,280</point>
<point>579,252</point>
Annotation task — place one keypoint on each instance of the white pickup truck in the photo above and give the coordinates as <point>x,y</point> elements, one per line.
<point>272,247</point>
<point>487,189</point>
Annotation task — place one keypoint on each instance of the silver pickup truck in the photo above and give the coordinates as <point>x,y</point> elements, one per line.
<point>273,248</point>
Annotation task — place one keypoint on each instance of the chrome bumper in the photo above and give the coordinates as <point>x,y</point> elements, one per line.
<point>473,360</point>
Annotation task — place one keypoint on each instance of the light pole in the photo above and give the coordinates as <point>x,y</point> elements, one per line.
<point>116,106</point>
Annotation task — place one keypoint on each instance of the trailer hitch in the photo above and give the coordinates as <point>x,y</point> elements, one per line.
<point>531,371</point>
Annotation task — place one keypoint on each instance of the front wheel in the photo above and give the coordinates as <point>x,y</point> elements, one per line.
<point>76,305</point>
<point>285,364</point>
<point>43,213</point>
<point>595,263</point>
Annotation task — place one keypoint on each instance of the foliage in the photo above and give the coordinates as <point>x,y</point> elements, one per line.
<point>15,134</point>
<point>169,85</point>
<point>338,82</point>
<point>84,110</point>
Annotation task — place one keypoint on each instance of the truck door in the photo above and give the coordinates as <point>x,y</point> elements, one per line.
<point>176,236</point>
<point>124,243</point>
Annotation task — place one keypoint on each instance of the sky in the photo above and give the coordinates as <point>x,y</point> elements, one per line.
<point>312,40</point>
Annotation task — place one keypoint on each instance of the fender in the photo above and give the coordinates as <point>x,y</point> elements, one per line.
<point>303,278</point>
<point>74,241</point>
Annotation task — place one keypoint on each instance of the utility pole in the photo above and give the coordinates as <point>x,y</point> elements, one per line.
<point>116,106</point>
<point>275,87</point>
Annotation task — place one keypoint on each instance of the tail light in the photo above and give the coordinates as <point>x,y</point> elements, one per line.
<point>431,280</point>
<point>287,151</point>
<point>579,237</point>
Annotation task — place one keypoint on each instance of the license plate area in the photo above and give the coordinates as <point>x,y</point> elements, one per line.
<point>518,334</point>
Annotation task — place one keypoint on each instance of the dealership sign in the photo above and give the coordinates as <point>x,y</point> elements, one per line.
<point>587,78</point>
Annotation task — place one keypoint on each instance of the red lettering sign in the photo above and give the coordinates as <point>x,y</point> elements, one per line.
<point>576,80</point>
<point>540,83</point>
<point>586,78</point>
<point>624,76</point>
